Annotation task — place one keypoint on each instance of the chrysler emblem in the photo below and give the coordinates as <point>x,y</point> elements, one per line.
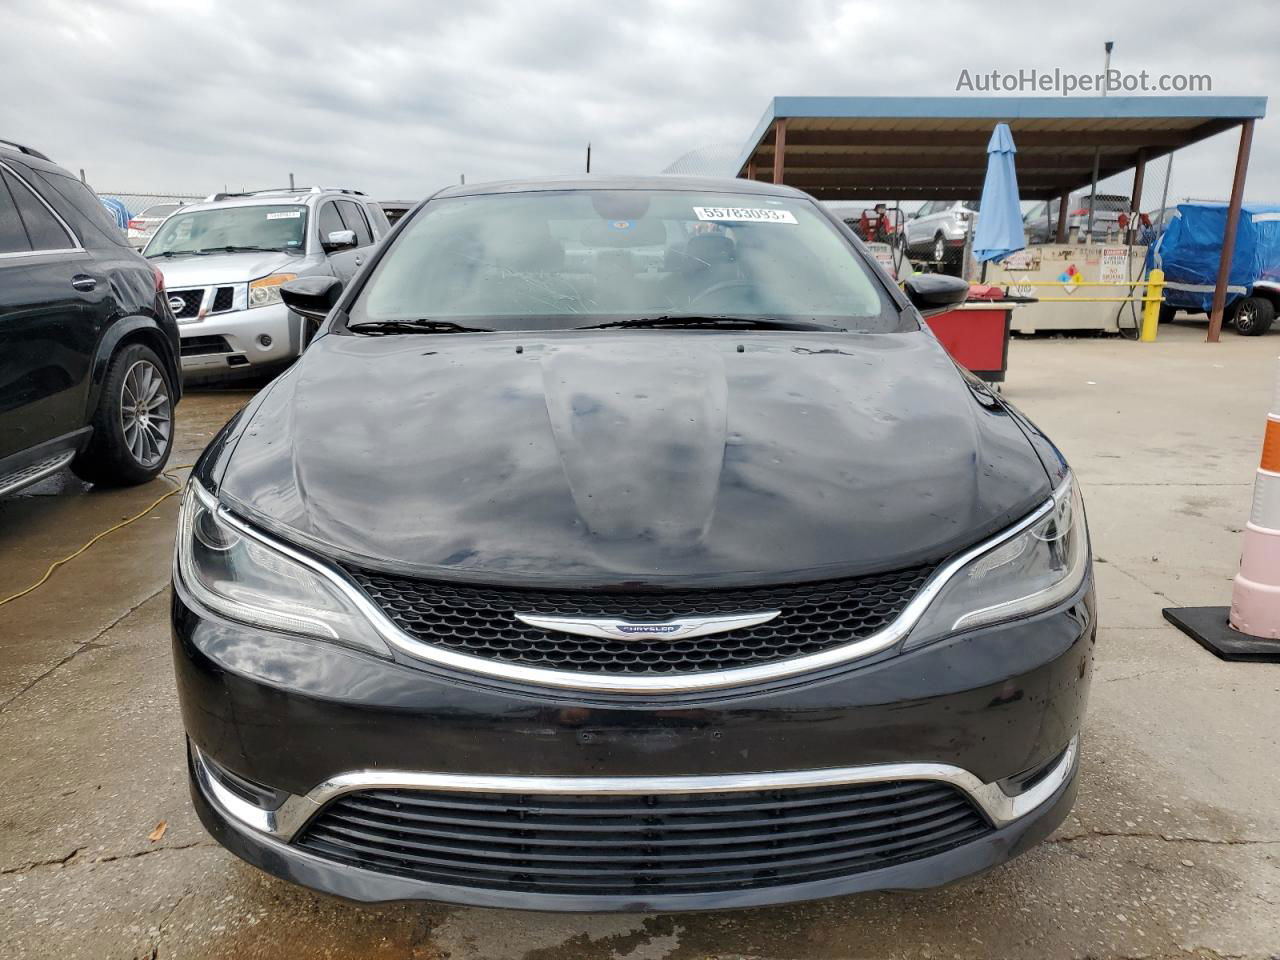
<point>680,629</point>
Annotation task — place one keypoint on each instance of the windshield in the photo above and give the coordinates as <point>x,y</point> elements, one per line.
<point>560,259</point>
<point>218,229</point>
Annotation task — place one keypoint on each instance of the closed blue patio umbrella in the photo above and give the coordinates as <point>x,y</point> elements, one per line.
<point>999,230</point>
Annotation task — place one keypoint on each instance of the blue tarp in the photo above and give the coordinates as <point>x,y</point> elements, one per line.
<point>999,230</point>
<point>118,211</point>
<point>1191,247</point>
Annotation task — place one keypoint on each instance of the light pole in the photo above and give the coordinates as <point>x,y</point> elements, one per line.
<point>1097,151</point>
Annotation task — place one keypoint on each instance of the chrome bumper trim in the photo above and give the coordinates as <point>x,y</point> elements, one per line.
<point>1000,808</point>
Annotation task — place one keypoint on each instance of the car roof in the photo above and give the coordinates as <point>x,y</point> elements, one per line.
<point>30,156</point>
<point>599,182</point>
<point>244,202</point>
<point>303,195</point>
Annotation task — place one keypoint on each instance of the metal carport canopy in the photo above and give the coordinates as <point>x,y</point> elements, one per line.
<point>926,148</point>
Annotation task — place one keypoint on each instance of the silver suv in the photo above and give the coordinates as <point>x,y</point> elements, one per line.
<point>936,231</point>
<point>224,261</point>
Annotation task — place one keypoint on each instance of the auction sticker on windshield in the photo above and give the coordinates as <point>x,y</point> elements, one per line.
<point>745,214</point>
<point>284,215</point>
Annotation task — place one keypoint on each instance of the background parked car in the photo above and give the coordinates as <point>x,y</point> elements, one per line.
<point>88,347</point>
<point>224,261</point>
<point>937,230</point>
<point>143,226</point>
<point>395,209</point>
<point>1107,208</point>
<point>1190,251</point>
<point>1040,223</point>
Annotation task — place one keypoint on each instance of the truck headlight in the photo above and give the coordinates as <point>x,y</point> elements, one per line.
<point>1036,567</point>
<point>266,291</point>
<point>241,577</point>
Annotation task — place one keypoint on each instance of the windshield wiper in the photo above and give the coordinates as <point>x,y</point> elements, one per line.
<point>170,254</point>
<point>423,325</point>
<point>232,248</point>
<point>687,320</point>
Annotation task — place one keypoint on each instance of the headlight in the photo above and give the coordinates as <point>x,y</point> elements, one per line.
<point>242,578</point>
<point>1037,567</point>
<point>267,290</point>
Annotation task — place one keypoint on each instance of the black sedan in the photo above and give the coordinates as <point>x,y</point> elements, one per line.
<point>629,544</point>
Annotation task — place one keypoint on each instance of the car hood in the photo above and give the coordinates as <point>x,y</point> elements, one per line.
<point>631,457</point>
<point>210,269</point>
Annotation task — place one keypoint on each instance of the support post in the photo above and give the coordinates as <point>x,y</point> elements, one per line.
<point>1135,201</point>
<point>779,147</point>
<point>1229,236</point>
<point>1151,305</point>
<point>751,169</point>
<point>1062,219</point>
<point>1093,194</point>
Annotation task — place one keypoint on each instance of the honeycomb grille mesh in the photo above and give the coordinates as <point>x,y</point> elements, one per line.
<point>638,844</point>
<point>480,621</point>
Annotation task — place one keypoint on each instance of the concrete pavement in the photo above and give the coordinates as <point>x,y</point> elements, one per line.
<point>1173,850</point>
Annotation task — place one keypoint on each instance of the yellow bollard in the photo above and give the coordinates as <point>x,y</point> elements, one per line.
<point>1151,305</point>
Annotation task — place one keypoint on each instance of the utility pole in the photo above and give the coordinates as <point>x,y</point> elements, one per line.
<point>1097,151</point>
<point>291,181</point>
<point>588,156</point>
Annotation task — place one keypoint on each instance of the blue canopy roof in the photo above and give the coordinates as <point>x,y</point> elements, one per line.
<point>915,148</point>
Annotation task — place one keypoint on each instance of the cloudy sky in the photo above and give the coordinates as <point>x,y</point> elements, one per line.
<point>398,98</point>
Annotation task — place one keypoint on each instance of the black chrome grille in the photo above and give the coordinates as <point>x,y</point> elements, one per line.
<point>656,843</point>
<point>190,302</point>
<point>480,621</point>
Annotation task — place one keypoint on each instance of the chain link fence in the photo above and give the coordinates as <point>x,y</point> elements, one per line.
<point>145,211</point>
<point>135,203</point>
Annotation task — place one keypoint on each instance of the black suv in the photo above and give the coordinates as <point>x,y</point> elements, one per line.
<point>88,345</point>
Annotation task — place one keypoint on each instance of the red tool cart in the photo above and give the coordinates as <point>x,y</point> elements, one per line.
<point>976,333</point>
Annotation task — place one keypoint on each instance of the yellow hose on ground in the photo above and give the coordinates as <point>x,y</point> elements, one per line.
<point>123,523</point>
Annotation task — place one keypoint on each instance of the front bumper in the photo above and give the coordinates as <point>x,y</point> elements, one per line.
<point>1053,799</point>
<point>224,342</point>
<point>312,719</point>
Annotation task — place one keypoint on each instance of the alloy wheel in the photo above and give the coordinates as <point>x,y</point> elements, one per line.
<point>1246,318</point>
<point>145,417</point>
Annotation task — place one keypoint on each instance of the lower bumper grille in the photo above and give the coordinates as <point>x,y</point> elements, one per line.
<point>655,843</point>
<point>198,346</point>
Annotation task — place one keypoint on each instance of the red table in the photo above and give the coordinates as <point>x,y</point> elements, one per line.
<point>976,335</point>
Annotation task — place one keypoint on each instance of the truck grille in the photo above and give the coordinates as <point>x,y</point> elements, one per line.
<point>223,298</point>
<point>480,621</point>
<point>191,300</point>
<point>643,844</point>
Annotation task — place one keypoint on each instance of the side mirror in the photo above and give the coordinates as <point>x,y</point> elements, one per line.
<point>339,240</point>
<point>311,297</point>
<point>928,292</point>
